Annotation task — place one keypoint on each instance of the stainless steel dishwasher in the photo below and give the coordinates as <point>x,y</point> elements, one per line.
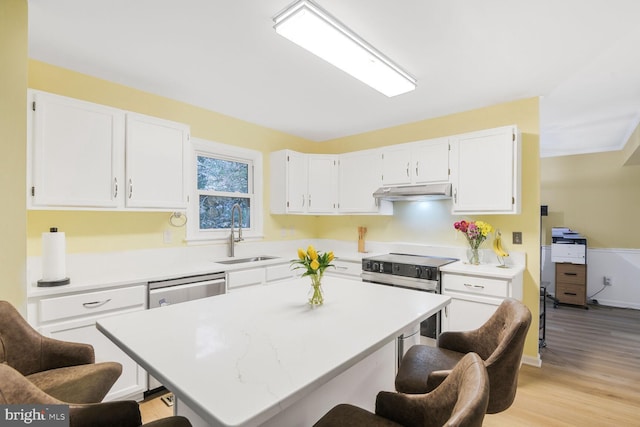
<point>183,289</point>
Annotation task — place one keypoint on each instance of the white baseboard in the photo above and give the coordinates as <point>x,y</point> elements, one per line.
<point>532,361</point>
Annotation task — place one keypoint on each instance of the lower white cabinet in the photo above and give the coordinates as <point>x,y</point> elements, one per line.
<point>474,298</point>
<point>241,279</point>
<point>345,268</point>
<point>73,318</point>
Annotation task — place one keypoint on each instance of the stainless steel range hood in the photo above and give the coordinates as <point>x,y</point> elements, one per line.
<point>414,192</point>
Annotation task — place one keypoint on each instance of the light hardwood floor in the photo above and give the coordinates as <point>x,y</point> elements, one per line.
<point>590,374</point>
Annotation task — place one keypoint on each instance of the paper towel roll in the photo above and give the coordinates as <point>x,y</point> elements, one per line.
<point>54,263</point>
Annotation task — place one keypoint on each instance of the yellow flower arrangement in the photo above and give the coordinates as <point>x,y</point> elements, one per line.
<point>314,264</point>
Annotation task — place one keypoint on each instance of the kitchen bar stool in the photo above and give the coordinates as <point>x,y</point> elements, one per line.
<point>460,401</point>
<point>64,370</point>
<point>499,342</point>
<point>15,389</point>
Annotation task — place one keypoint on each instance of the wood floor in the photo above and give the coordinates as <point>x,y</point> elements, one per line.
<point>590,374</point>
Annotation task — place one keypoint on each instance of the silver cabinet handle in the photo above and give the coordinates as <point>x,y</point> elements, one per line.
<point>309,200</point>
<point>95,304</point>
<point>455,195</point>
<point>417,167</point>
<point>115,187</point>
<point>474,286</point>
<point>339,267</point>
<point>408,165</point>
<point>130,188</point>
<point>303,200</point>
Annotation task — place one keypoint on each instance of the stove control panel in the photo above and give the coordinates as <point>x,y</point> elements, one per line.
<point>377,266</point>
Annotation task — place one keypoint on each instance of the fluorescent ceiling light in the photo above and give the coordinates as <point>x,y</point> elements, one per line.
<point>311,27</point>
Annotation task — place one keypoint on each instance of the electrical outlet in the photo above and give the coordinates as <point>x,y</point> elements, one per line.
<point>517,237</point>
<point>608,281</point>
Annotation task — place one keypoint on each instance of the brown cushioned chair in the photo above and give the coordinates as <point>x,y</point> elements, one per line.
<point>460,401</point>
<point>499,342</point>
<point>65,370</point>
<point>15,389</point>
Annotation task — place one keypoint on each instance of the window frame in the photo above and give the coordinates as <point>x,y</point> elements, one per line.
<point>202,147</point>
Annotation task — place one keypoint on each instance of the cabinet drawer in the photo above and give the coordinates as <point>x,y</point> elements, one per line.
<point>279,272</point>
<point>240,278</point>
<point>475,285</point>
<point>571,293</point>
<point>571,273</point>
<point>90,303</point>
<point>347,268</point>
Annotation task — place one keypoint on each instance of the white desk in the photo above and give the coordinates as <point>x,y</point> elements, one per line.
<point>263,356</point>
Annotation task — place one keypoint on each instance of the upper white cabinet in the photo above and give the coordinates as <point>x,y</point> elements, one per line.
<point>486,171</point>
<point>360,174</point>
<point>155,162</point>
<point>87,156</point>
<point>418,162</point>
<point>76,153</point>
<point>303,183</point>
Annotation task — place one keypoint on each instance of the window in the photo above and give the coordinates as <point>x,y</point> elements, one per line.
<point>224,176</point>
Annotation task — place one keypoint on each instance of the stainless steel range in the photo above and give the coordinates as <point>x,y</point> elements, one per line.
<point>408,271</point>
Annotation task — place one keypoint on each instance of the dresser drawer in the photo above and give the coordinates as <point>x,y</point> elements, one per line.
<point>571,273</point>
<point>475,285</point>
<point>90,303</point>
<point>571,294</point>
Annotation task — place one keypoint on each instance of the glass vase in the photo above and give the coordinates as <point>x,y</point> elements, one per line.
<point>474,256</point>
<point>316,294</point>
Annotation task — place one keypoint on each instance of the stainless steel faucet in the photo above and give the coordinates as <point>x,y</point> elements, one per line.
<point>232,238</point>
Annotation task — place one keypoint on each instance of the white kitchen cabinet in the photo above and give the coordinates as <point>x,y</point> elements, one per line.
<point>303,183</point>
<point>156,156</point>
<point>246,278</point>
<point>360,175</point>
<point>418,162</point>
<point>75,153</point>
<point>475,297</point>
<point>73,318</point>
<point>486,172</point>
<point>345,268</point>
<point>322,184</point>
<point>83,155</point>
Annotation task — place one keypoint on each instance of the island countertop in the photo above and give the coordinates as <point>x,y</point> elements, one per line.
<point>240,358</point>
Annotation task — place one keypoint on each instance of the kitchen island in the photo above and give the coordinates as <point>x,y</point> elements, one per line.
<point>264,357</point>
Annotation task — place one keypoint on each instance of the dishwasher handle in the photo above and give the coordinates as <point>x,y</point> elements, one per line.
<point>154,291</point>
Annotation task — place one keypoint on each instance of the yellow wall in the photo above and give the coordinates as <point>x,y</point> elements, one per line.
<point>13,86</point>
<point>594,194</point>
<point>110,231</point>
<point>430,222</point>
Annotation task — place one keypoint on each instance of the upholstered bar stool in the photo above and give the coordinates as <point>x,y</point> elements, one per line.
<point>65,370</point>
<point>460,401</point>
<point>15,389</point>
<point>499,342</point>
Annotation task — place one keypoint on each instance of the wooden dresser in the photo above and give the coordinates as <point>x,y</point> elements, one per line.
<point>571,283</point>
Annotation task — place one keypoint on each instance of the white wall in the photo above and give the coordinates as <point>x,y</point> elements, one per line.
<point>622,265</point>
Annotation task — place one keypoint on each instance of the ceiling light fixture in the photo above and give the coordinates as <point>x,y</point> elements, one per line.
<point>309,26</point>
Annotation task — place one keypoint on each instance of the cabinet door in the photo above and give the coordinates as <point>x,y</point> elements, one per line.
<point>322,184</point>
<point>360,174</point>
<point>155,163</point>
<point>133,381</point>
<point>396,165</point>
<point>485,170</point>
<point>296,182</point>
<point>431,161</point>
<point>76,148</point>
<point>465,314</point>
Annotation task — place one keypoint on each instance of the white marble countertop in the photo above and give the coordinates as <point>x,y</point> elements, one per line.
<point>240,358</point>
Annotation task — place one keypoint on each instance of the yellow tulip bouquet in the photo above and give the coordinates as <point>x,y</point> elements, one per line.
<point>314,264</point>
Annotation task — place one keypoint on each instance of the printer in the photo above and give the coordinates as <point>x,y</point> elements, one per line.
<point>568,246</point>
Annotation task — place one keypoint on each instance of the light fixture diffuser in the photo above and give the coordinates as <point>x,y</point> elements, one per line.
<point>314,29</point>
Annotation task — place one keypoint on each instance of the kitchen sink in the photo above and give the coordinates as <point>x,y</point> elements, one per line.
<point>250,259</point>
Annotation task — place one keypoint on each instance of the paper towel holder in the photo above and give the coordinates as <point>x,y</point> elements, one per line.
<point>49,283</point>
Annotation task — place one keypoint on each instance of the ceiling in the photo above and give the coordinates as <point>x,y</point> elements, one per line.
<point>580,57</point>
